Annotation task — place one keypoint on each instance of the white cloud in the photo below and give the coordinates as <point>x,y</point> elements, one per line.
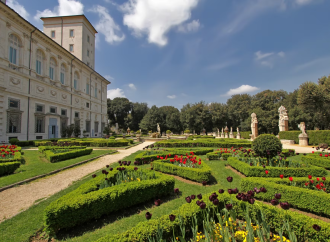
<point>260,55</point>
<point>107,25</point>
<point>242,89</point>
<point>156,18</point>
<point>18,8</point>
<point>193,26</point>
<point>222,65</point>
<point>108,77</point>
<point>304,2</point>
<point>112,93</point>
<point>171,96</point>
<point>267,63</point>
<point>281,54</point>
<point>132,86</point>
<point>64,8</point>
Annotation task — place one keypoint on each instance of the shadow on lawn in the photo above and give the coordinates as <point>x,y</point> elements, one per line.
<point>79,230</point>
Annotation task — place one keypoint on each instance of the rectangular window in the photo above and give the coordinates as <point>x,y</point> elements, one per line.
<point>38,137</point>
<point>40,124</point>
<point>88,126</point>
<point>51,73</point>
<point>13,104</point>
<point>76,114</point>
<point>75,84</point>
<point>87,89</point>
<point>95,92</point>
<point>88,53</point>
<point>53,34</point>
<point>96,127</point>
<point>39,108</point>
<point>87,105</point>
<point>102,127</point>
<point>71,48</point>
<point>88,38</point>
<point>12,55</point>
<point>52,110</point>
<point>62,77</point>
<point>13,122</point>
<point>63,112</point>
<point>38,67</point>
<point>71,33</point>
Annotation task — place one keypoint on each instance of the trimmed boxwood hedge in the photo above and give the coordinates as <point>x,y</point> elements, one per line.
<point>155,153</point>
<point>8,168</point>
<point>90,142</point>
<point>302,198</point>
<point>217,154</point>
<point>52,157</point>
<point>301,224</point>
<point>315,137</point>
<point>220,143</point>
<point>200,174</point>
<point>259,171</point>
<point>316,160</point>
<point>87,202</point>
<point>42,149</point>
<point>244,134</point>
<point>17,158</point>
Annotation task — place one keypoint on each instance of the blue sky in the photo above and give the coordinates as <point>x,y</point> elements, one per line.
<point>172,52</point>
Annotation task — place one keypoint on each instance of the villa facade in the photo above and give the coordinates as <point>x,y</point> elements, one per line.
<point>47,78</point>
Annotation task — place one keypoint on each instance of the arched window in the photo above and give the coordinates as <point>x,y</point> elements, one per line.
<point>76,80</point>
<point>14,46</point>
<point>39,61</point>
<point>63,70</point>
<point>52,68</point>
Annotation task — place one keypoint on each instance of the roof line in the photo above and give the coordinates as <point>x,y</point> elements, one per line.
<point>53,41</point>
<point>83,15</point>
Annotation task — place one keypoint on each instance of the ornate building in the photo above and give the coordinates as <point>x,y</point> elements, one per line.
<point>47,79</point>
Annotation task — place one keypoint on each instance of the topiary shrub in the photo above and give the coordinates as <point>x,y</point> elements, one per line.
<point>187,131</point>
<point>168,132</point>
<point>13,141</point>
<point>267,145</point>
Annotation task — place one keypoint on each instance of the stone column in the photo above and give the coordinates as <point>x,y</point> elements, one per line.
<point>231,135</point>
<point>254,126</point>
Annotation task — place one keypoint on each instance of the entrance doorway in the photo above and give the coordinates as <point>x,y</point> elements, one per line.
<point>52,128</point>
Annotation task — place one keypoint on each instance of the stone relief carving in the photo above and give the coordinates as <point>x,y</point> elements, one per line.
<point>53,93</point>
<point>77,100</point>
<point>8,25</point>
<point>15,81</point>
<point>47,49</point>
<point>40,89</point>
<point>64,96</point>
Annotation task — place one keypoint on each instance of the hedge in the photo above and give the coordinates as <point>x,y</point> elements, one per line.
<point>223,143</point>
<point>301,224</point>
<point>259,171</point>
<point>217,154</point>
<point>8,168</point>
<point>17,158</point>
<point>42,149</point>
<point>202,136</point>
<point>147,157</point>
<point>87,202</point>
<point>52,157</point>
<point>302,198</point>
<point>316,160</point>
<point>315,137</point>
<point>244,134</point>
<point>90,143</point>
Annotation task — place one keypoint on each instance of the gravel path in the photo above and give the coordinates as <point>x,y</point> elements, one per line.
<point>298,148</point>
<point>18,199</point>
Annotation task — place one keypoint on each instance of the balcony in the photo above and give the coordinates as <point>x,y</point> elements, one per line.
<point>15,67</point>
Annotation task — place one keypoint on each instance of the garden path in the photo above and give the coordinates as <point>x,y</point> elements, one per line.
<point>299,149</point>
<point>18,199</point>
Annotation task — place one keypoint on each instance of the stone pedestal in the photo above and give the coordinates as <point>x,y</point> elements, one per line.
<point>138,138</point>
<point>222,135</point>
<point>226,135</point>
<point>231,135</point>
<point>238,136</point>
<point>303,139</point>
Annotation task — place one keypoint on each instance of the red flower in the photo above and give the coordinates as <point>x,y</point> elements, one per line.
<point>169,155</point>
<point>306,184</point>
<point>266,172</point>
<point>321,155</point>
<point>323,178</point>
<point>290,178</point>
<point>312,181</point>
<point>281,176</point>
<point>309,177</point>
<point>199,163</point>
<point>313,152</point>
<point>326,155</point>
<point>158,156</point>
<point>184,162</point>
<point>317,179</point>
<point>318,186</point>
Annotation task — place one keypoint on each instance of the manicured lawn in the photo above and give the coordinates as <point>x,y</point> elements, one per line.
<point>36,164</point>
<point>24,225</point>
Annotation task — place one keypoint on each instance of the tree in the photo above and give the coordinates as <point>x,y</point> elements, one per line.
<point>139,110</point>
<point>118,109</point>
<point>238,109</point>
<point>170,119</point>
<point>150,120</point>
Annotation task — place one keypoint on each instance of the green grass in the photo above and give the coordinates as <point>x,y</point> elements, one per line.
<point>24,225</point>
<point>36,164</point>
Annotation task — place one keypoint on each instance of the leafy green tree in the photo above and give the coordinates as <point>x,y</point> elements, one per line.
<point>150,120</point>
<point>118,109</point>
<point>139,110</point>
<point>238,109</point>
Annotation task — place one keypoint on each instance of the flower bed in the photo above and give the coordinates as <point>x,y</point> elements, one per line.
<point>89,202</point>
<point>191,167</point>
<point>223,143</point>
<point>295,192</point>
<point>302,225</point>
<point>10,153</point>
<point>318,159</point>
<point>56,157</point>
<point>260,171</point>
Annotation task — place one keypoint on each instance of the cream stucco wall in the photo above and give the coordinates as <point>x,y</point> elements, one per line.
<point>21,82</point>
